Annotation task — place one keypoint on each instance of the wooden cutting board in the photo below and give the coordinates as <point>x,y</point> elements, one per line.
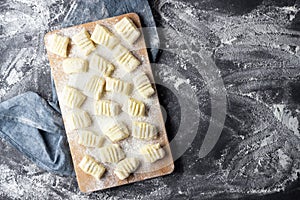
<point>86,182</point>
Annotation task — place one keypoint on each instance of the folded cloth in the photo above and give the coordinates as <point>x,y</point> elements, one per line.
<point>30,124</point>
<point>35,126</point>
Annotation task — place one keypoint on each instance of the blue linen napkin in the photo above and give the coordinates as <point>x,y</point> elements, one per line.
<point>35,126</point>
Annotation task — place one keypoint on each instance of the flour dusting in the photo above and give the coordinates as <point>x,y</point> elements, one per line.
<point>256,50</point>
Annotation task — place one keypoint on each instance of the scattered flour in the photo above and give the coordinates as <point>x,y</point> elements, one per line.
<point>285,116</point>
<point>231,30</point>
<point>13,77</point>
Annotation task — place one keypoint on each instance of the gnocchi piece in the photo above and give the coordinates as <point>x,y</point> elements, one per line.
<point>75,65</point>
<point>116,85</point>
<point>89,165</point>
<point>143,85</point>
<point>136,107</point>
<point>125,167</point>
<point>117,132</point>
<point>103,36</point>
<point>143,130</point>
<point>72,97</point>
<point>107,108</point>
<point>95,86</point>
<point>89,139</point>
<point>102,65</point>
<point>78,119</point>
<point>152,152</point>
<point>111,153</point>
<point>127,30</point>
<point>83,41</point>
<point>59,45</point>
<point>128,61</point>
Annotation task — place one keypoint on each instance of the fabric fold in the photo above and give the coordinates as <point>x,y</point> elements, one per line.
<point>30,124</point>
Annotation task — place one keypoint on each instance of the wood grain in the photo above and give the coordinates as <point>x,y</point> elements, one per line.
<point>86,182</point>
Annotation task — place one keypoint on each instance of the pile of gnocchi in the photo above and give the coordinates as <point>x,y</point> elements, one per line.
<point>73,98</point>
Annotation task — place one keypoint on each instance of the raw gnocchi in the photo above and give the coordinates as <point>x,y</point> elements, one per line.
<point>128,61</point>
<point>102,65</point>
<point>89,165</point>
<point>143,130</point>
<point>89,139</point>
<point>136,107</point>
<point>72,97</point>
<point>105,73</point>
<point>143,84</point>
<point>59,45</point>
<point>107,108</point>
<point>116,85</point>
<point>111,153</point>
<point>95,86</point>
<point>78,119</point>
<point>127,30</point>
<point>117,132</point>
<point>125,167</point>
<point>83,41</point>
<point>103,36</point>
<point>152,152</point>
<point>75,65</point>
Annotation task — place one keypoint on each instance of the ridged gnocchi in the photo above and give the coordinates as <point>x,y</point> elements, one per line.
<point>107,108</point>
<point>116,85</point>
<point>128,61</point>
<point>143,85</point>
<point>103,36</point>
<point>95,86</point>
<point>117,132</point>
<point>111,153</point>
<point>75,65</point>
<point>89,139</point>
<point>83,41</point>
<point>102,65</point>
<point>152,152</point>
<point>143,130</point>
<point>109,102</point>
<point>89,165</point>
<point>125,167</point>
<point>77,119</point>
<point>136,107</point>
<point>72,97</point>
<point>59,45</point>
<point>127,30</point>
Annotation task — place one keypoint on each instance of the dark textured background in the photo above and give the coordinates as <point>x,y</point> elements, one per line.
<point>255,46</point>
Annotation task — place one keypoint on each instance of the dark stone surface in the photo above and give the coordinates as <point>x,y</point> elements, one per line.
<point>254,49</point>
